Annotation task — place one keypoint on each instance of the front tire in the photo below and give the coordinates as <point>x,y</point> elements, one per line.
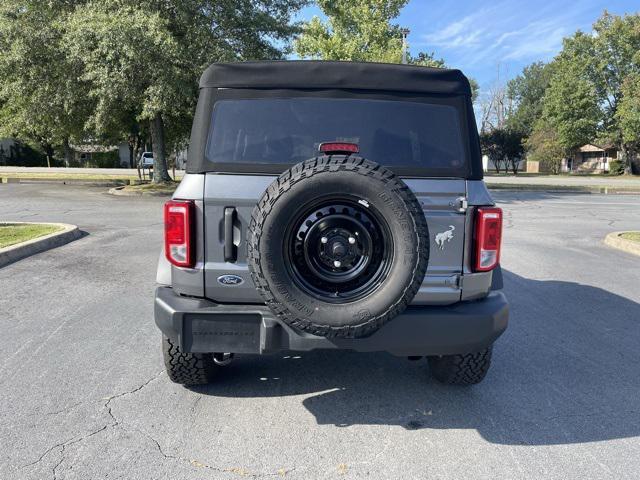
<point>467,369</point>
<point>187,368</point>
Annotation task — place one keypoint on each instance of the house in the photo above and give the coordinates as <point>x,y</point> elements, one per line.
<point>89,155</point>
<point>590,158</point>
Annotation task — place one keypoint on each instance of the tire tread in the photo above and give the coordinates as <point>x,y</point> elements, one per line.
<point>463,369</point>
<point>187,368</point>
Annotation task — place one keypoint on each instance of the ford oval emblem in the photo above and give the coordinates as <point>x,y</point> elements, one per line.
<point>230,280</point>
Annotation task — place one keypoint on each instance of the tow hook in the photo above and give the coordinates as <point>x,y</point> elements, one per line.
<point>222,359</point>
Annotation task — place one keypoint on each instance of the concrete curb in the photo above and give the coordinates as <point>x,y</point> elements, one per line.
<point>63,181</point>
<point>564,188</point>
<point>616,241</point>
<point>120,191</point>
<point>19,251</point>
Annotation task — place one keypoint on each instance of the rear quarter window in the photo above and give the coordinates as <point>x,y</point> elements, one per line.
<point>282,131</point>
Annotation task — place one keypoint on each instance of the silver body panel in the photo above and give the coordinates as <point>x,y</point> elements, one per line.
<point>449,278</point>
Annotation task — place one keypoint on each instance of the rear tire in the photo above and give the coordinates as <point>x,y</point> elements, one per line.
<point>467,369</point>
<point>187,368</point>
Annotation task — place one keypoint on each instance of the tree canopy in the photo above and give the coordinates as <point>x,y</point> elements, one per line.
<point>81,70</point>
<point>592,91</point>
<point>527,91</point>
<point>356,30</point>
<point>41,98</point>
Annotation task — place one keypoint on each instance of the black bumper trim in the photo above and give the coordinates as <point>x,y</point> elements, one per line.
<point>200,326</point>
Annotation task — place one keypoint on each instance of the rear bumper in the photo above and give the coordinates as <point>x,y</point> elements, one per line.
<point>201,326</point>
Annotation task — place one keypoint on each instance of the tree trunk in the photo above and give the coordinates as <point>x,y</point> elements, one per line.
<point>136,154</point>
<point>160,172</point>
<point>132,143</point>
<point>68,153</point>
<point>48,151</point>
<point>626,159</point>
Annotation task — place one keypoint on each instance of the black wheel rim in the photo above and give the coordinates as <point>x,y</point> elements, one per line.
<point>338,250</point>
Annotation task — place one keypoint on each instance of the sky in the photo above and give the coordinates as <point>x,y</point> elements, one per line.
<point>493,40</point>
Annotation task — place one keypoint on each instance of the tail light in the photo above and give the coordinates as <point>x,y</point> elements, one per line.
<point>178,232</point>
<point>339,148</point>
<point>488,237</point>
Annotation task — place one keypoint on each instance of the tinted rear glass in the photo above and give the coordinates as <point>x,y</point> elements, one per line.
<point>289,130</point>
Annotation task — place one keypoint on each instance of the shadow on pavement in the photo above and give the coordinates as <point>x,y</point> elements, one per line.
<point>566,371</point>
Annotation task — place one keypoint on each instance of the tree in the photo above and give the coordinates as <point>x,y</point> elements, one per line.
<point>496,106</point>
<point>362,31</point>
<point>586,88</point>
<point>527,91</point>
<point>355,30</point>
<point>41,98</point>
<point>571,105</point>
<point>628,113</point>
<point>504,147</point>
<point>544,146</point>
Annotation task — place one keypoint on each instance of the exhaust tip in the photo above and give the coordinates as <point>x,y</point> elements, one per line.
<point>222,359</point>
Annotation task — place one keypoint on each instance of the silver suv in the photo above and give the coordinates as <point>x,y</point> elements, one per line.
<point>331,205</point>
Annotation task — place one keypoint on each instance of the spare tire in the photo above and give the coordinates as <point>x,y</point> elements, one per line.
<point>338,246</point>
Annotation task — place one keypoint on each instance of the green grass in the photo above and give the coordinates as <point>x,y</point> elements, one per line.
<point>634,236</point>
<point>13,233</point>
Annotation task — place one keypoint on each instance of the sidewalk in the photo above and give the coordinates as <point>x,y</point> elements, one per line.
<point>57,171</point>
<point>562,182</point>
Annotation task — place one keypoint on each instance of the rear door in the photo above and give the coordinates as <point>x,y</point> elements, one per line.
<point>229,201</point>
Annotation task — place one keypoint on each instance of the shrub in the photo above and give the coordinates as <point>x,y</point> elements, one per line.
<point>18,154</point>
<point>616,167</point>
<point>104,160</point>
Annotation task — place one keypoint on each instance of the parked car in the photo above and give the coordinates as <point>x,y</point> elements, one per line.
<point>331,205</point>
<point>146,160</point>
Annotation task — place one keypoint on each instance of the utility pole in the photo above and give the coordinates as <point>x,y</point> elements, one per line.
<point>405,44</point>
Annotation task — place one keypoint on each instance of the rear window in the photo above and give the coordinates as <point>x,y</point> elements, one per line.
<point>281,131</point>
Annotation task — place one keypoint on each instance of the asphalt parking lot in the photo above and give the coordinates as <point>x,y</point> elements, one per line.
<point>83,393</point>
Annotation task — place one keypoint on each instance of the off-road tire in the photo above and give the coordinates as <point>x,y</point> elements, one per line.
<point>304,312</point>
<point>467,369</point>
<point>187,368</point>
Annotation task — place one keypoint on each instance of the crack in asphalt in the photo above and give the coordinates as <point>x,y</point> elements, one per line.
<point>124,394</point>
<point>243,472</point>
<point>78,439</point>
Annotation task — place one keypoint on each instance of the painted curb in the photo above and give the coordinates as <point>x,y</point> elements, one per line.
<point>119,191</point>
<point>22,250</point>
<point>616,241</point>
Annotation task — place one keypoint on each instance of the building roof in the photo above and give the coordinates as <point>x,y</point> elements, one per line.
<point>592,147</point>
<point>328,75</point>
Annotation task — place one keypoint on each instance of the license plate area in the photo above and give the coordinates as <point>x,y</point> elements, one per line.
<point>239,333</point>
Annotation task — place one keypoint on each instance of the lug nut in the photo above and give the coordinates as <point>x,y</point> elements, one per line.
<point>337,263</point>
<point>324,240</point>
<point>352,240</point>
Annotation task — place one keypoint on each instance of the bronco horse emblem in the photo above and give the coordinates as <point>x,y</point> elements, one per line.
<point>445,236</point>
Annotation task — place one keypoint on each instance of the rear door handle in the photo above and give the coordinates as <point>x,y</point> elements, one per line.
<point>230,248</point>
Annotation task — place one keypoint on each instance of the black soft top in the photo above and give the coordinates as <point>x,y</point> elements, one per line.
<point>285,74</point>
